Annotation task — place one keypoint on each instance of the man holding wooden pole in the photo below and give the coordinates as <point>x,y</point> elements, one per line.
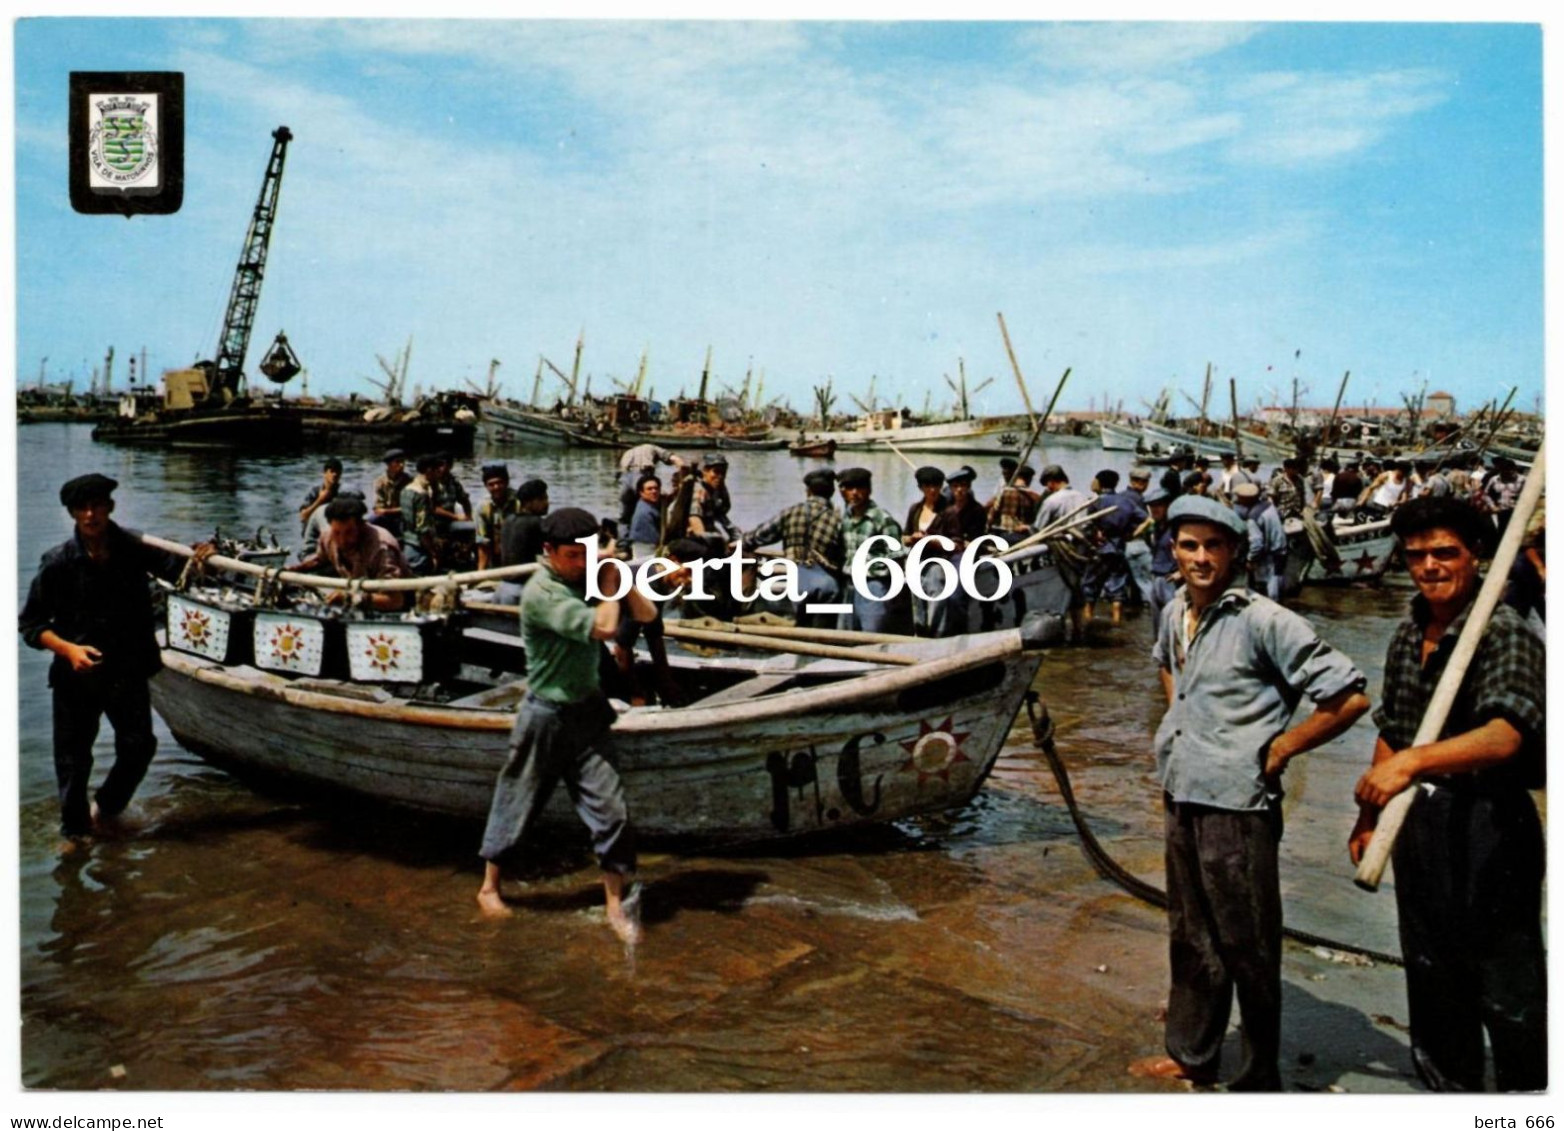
<point>1469,855</point>
<point>1234,666</point>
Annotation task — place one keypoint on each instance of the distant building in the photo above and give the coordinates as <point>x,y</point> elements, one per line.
<point>1441,404</point>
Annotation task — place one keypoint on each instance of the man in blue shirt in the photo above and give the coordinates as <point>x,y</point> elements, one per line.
<point>1234,665</point>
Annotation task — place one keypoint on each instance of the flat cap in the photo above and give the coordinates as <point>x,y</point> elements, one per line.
<point>1252,459</point>
<point>1054,471</point>
<point>332,463</point>
<point>716,459</point>
<point>393,453</point>
<point>1140,475</point>
<point>1246,492</point>
<point>345,507</point>
<point>86,489</point>
<point>1009,463</point>
<point>426,461</point>
<point>961,475</point>
<point>1193,479</point>
<point>566,525</point>
<point>495,471</point>
<point>820,476</point>
<point>1158,494</point>
<point>855,477</point>
<point>1199,508</point>
<point>531,489</point>
<point>929,476</point>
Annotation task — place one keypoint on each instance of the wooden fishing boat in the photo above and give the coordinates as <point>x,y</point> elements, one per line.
<point>1119,437</point>
<point>813,449</point>
<point>1367,550</point>
<point>986,435</point>
<point>772,746</point>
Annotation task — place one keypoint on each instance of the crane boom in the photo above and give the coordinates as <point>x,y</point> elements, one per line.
<point>228,377</point>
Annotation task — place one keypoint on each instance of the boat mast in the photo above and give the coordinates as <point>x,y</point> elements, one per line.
<point>228,378</point>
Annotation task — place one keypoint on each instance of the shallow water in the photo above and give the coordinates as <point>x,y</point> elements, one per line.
<point>239,940</point>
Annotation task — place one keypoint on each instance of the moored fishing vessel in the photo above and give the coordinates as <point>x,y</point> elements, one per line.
<point>411,711</point>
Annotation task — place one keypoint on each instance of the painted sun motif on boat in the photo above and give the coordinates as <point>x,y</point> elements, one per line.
<point>288,643</point>
<point>196,626</point>
<point>382,653</point>
<point>935,750</point>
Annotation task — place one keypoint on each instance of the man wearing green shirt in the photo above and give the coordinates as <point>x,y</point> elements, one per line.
<point>562,729</point>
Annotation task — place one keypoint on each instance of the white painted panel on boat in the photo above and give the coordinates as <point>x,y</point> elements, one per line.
<point>198,629</point>
<point>286,643</point>
<point>380,651</point>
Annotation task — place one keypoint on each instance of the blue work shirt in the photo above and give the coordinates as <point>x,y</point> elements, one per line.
<point>1248,665</point>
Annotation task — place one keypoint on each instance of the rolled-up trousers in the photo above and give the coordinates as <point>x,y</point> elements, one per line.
<point>80,703</point>
<point>553,743</point>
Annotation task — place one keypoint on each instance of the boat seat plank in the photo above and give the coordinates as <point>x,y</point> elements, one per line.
<point>745,689</point>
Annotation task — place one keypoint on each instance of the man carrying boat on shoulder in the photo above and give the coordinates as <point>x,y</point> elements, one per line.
<point>90,605</point>
<point>811,535</point>
<point>1234,666</point>
<point>863,519</point>
<point>1469,858</point>
<point>562,729</point>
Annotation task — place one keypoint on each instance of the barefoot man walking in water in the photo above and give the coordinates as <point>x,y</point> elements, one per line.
<point>90,605</point>
<point>1234,666</point>
<point>562,729</point>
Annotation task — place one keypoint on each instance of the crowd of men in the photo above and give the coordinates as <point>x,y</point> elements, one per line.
<point>1233,664</point>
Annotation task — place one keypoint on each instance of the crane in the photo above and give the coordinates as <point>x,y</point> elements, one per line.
<point>228,371</point>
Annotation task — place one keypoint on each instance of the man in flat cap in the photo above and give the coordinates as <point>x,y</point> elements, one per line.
<point>1108,574</point>
<point>492,513</point>
<point>355,549</point>
<point>710,508</point>
<point>963,520</point>
<point>388,492</point>
<point>90,605</point>
<point>811,535</point>
<point>1267,539</point>
<point>862,519</point>
<point>521,536</point>
<point>1059,498</point>
<point>1234,666</point>
<point>419,536</point>
<point>562,728</point>
<point>1010,513</point>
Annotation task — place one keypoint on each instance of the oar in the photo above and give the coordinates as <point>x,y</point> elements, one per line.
<point>789,632</point>
<point>1377,855</point>
<point>316,581</point>
<point>763,639</point>
<point>901,453</point>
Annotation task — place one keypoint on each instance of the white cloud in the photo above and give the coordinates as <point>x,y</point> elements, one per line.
<point>1132,48</point>
<point>1295,118</point>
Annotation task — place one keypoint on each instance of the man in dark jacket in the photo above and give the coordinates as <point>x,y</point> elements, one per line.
<point>91,606</point>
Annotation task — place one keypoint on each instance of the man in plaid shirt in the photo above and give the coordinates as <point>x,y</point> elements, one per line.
<point>1012,511</point>
<point>811,535</point>
<point>1469,857</point>
<point>863,519</point>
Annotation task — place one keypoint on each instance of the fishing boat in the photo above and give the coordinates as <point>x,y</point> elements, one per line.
<point>1161,437</point>
<point>416,711</point>
<point>1119,437</point>
<point>1367,550</point>
<point>813,449</point>
<point>984,435</point>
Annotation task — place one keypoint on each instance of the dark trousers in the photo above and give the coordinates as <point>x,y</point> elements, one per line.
<point>570,743</point>
<point>1224,934</point>
<point>1468,871</point>
<point>80,702</point>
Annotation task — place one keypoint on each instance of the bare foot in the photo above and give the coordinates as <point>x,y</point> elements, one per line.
<point>1166,1068</point>
<point>628,930</point>
<point>492,904</point>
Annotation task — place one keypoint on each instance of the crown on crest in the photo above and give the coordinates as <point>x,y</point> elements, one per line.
<point>122,103</point>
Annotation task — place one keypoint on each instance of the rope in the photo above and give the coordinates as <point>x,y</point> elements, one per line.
<point>1111,870</point>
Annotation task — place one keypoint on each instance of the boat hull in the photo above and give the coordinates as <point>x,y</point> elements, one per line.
<point>880,747</point>
<point>1367,550</point>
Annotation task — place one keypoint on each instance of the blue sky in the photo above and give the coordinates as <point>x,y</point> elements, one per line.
<point>820,199</point>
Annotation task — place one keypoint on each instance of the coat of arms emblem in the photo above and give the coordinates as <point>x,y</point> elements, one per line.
<point>123,144</point>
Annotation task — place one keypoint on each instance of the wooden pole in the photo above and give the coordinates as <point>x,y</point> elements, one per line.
<point>315,581</point>
<point>1330,428</point>
<point>1037,431</point>
<point>772,644</point>
<point>898,451</point>
<point>1377,855</point>
<point>1205,400</point>
<point>1015,365</point>
<point>1238,437</point>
